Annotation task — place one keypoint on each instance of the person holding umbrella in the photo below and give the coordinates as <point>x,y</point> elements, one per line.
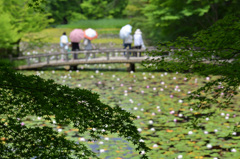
<point>89,34</point>
<point>75,36</point>
<point>127,42</point>
<point>125,34</point>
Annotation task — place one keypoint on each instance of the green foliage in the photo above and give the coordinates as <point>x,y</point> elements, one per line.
<point>104,9</point>
<point>17,19</point>
<point>96,24</point>
<point>214,51</point>
<point>167,19</point>
<point>65,11</point>
<point>62,11</point>
<point>22,96</point>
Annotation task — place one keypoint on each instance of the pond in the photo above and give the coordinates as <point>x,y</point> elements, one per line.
<point>162,114</point>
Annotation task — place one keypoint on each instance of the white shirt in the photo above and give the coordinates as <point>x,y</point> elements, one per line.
<point>63,40</point>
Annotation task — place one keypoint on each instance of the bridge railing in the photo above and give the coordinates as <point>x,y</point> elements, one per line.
<point>105,54</point>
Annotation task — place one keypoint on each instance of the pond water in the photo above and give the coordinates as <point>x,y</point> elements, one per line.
<point>157,101</point>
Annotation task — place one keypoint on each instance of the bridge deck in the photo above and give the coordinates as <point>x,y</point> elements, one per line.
<point>99,60</point>
<point>82,57</point>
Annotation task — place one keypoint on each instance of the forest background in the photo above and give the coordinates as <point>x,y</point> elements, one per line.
<point>160,20</point>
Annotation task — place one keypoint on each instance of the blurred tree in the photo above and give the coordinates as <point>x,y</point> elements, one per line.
<point>17,19</point>
<point>168,19</point>
<point>63,10</point>
<point>97,9</point>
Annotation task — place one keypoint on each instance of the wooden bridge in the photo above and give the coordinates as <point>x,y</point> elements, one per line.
<point>75,58</point>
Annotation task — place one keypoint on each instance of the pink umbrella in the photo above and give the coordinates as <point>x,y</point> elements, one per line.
<point>90,34</point>
<point>76,35</point>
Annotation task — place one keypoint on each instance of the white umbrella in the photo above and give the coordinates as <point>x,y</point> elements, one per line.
<point>90,34</point>
<point>125,31</point>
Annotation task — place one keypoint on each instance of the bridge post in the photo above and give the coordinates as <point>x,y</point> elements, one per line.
<point>128,55</point>
<point>39,59</point>
<point>48,59</point>
<point>56,57</point>
<point>131,67</point>
<point>67,59</point>
<point>107,55</point>
<point>87,55</point>
<point>28,62</point>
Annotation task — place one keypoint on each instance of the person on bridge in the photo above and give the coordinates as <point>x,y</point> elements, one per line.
<point>127,42</point>
<point>87,45</point>
<point>63,44</point>
<point>138,41</point>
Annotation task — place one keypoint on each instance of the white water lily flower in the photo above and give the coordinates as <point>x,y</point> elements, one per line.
<point>233,150</point>
<point>142,152</point>
<point>180,156</point>
<point>209,146</point>
<point>190,133</point>
<point>150,122</point>
<point>152,129</point>
<point>155,145</point>
<point>82,139</point>
<point>102,150</point>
